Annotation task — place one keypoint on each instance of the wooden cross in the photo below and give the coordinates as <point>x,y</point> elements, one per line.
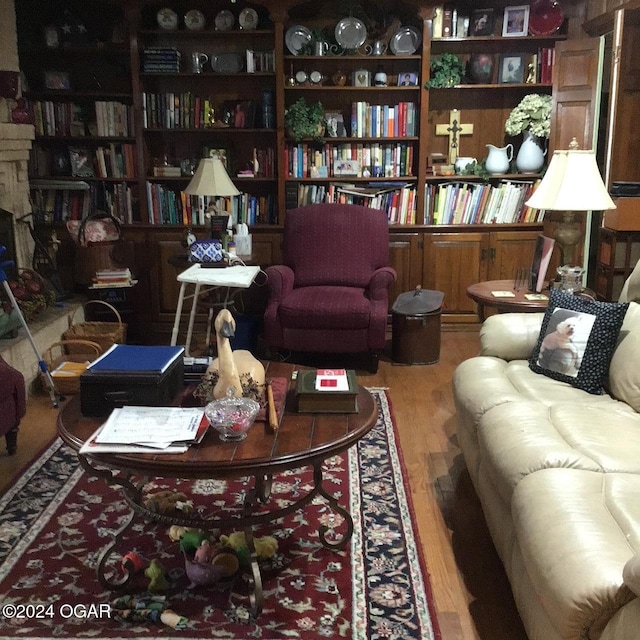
<point>454,129</point>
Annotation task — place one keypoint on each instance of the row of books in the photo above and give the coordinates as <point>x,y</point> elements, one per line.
<point>478,203</point>
<point>106,278</point>
<point>543,64</point>
<point>397,200</point>
<point>55,201</point>
<point>172,110</point>
<point>261,61</point>
<point>67,119</point>
<point>392,160</point>
<point>383,120</point>
<point>169,206</point>
<point>160,59</point>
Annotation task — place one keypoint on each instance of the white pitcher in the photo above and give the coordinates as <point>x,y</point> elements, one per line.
<point>499,158</point>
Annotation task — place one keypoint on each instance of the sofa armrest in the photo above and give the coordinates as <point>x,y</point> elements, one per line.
<point>380,281</point>
<point>279,281</point>
<point>510,336</point>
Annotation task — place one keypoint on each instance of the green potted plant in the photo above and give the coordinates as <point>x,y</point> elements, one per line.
<point>446,70</point>
<point>304,120</point>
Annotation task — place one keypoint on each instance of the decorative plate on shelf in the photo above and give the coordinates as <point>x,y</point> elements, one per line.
<point>296,38</point>
<point>405,41</point>
<point>167,19</point>
<point>194,20</point>
<point>224,20</point>
<point>248,19</point>
<point>545,17</point>
<point>226,62</point>
<point>350,33</point>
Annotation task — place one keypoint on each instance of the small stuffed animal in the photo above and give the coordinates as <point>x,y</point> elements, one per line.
<point>168,501</point>
<point>265,547</point>
<point>204,552</point>
<point>157,580</point>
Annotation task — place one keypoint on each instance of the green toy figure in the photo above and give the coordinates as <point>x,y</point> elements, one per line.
<point>157,580</point>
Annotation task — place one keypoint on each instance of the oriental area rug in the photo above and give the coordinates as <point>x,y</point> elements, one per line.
<point>56,519</point>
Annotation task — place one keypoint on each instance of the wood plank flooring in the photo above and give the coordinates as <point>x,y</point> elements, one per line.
<point>472,595</point>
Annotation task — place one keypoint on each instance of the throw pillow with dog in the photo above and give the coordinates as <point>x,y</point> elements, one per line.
<point>577,340</point>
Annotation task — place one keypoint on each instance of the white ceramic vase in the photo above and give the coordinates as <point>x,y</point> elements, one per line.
<point>530,158</point>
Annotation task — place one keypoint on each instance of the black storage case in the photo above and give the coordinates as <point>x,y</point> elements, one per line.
<point>103,391</point>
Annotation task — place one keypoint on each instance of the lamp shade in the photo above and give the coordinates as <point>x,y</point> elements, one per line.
<point>211,179</point>
<point>572,183</point>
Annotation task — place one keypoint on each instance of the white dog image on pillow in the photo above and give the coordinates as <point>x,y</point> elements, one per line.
<point>558,351</point>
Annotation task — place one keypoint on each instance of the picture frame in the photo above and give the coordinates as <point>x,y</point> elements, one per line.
<point>335,124</point>
<point>81,165</point>
<point>482,22</point>
<point>511,69</point>
<point>347,168</point>
<point>516,21</point>
<point>407,79</point>
<point>361,78</point>
<point>57,80</point>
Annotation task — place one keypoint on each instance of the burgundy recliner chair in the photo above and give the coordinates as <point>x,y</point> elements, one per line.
<point>13,404</point>
<point>331,293</point>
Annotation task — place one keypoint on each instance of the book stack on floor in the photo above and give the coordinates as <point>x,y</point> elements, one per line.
<point>106,278</point>
<point>327,391</point>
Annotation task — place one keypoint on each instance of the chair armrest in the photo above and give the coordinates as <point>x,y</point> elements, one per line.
<point>510,336</point>
<point>279,281</point>
<point>380,281</point>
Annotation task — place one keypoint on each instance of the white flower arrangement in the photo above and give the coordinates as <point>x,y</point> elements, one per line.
<point>532,114</point>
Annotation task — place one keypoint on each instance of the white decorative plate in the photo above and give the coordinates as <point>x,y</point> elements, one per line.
<point>405,41</point>
<point>194,20</point>
<point>248,19</point>
<point>224,20</point>
<point>296,38</point>
<point>167,19</point>
<point>350,33</point>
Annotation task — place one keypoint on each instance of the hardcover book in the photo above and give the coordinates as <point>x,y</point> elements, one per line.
<point>311,400</point>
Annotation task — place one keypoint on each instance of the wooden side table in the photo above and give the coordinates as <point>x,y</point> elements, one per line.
<point>482,294</point>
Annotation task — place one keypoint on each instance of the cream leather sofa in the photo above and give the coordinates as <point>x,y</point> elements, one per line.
<point>557,471</point>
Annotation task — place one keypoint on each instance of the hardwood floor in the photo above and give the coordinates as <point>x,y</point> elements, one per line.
<point>472,595</point>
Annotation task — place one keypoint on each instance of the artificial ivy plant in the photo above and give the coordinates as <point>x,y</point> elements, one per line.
<point>446,70</point>
<point>304,120</point>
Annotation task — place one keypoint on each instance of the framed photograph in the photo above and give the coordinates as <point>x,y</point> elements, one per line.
<point>361,78</point>
<point>407,79</point>
<point>347,168</point>
<point>511,68</point>
<point>57,80</point>
<point>335,125</point>
<point>516,21</point>
<point>482,22</point>
<point>81,164</point>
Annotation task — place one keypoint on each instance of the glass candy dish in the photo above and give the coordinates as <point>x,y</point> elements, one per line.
<point>232,417</point>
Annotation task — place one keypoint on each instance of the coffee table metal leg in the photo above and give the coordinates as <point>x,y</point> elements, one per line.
<point>333,502</point>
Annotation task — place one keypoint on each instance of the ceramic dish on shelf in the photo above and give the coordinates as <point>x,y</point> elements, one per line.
<point>224,20</point>
<point>226,62</point>
<point>194,20</point>
<point>296,38</point>
<point>167,19</point>
<point>545,17</point>
<point>405,41</point>
<point>350,33</point>
<point>248,19</point>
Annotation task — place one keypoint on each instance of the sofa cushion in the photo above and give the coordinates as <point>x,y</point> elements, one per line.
<point>520,438</point>
<point>577,340</point>
<point>624,372</point>
<point>576,530</point>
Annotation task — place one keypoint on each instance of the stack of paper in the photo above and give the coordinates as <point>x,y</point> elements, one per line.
<point>148,430</point>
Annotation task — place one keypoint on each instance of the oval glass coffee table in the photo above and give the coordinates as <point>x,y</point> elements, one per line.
<point>300,440</point>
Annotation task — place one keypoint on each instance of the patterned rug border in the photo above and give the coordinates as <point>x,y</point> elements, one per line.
<point>418,569</point>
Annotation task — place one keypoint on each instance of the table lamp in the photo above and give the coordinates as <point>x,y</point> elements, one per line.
<point>211,179</point>
<point>572,183</point>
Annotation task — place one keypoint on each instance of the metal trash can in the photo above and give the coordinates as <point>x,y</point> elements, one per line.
<point>416,319</point>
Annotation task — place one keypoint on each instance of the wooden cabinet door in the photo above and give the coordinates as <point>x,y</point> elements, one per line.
<point>405,257</point>
<point>575,93</point>
<point>452,262</point>
<point>510,251</point>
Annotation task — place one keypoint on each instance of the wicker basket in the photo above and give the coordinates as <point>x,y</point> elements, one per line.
<point>105,334</point>
<point>60,363</point>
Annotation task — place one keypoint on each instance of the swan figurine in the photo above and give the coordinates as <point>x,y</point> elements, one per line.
<point>232,366</point>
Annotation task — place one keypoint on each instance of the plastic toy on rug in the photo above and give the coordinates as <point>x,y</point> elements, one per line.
<point>156,574</point>
<point>147,608</point>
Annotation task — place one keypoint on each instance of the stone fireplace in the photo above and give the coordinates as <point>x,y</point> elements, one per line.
<point>15,143</point>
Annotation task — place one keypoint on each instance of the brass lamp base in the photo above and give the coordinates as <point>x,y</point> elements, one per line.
<point>567,235</point>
